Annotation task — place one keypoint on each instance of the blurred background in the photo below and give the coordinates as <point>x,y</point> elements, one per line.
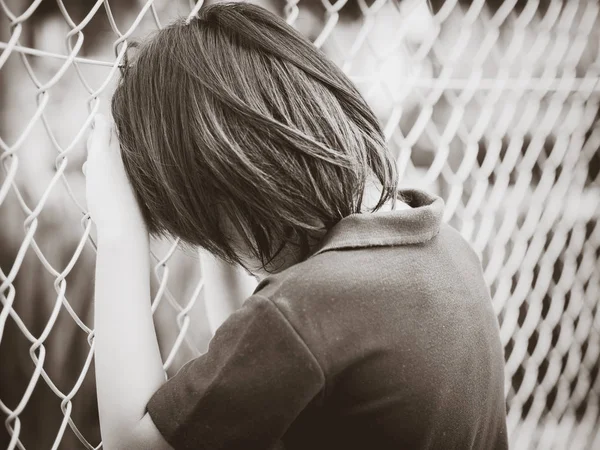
<point>493,105</point>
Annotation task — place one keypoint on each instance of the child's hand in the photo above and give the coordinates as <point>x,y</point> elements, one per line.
<point>110,198</point>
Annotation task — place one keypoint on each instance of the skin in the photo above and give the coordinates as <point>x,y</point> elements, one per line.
<point>127,359</point>
<point>225,288</point>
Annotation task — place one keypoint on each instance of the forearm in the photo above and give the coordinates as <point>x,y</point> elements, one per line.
<point>127,358</point>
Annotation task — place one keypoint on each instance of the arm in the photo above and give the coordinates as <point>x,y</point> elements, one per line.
<point>127,358</point>
<point>225,289</point>
<point>256,378</point>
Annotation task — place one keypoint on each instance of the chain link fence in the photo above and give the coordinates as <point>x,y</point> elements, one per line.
<point>492,105</point>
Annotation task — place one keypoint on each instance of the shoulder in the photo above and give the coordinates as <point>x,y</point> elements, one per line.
<point>345,304</point>
<point>358,271</point>
<point>453,239</point>
<point>345,287</point>
<point>369,269</point>
<point>256,367</point>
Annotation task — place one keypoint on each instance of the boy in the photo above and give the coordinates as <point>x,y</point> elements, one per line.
<point>371,327</point>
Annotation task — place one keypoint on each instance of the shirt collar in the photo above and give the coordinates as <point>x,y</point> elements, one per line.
<point>413,225</point>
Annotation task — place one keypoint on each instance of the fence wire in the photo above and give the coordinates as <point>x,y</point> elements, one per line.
<point>492,105</point>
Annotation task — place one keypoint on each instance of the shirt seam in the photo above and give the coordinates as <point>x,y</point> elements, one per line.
<point>297,333</point>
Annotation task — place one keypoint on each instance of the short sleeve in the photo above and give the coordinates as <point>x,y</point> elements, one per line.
<point>246,390</point>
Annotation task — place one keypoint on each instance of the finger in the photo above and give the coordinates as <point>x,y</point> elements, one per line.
<point>101,123</point>
<point>100,139</point>
<point>115,144</point>
<point>89,141</point>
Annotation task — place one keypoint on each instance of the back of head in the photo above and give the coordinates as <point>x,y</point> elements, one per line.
<point>234,119</point>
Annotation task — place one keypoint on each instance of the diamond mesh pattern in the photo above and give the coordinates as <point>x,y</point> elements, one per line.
<point>492,105</point>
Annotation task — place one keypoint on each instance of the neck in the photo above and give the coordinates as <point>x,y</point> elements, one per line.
<point>290,255</point>
<point>371,197</point>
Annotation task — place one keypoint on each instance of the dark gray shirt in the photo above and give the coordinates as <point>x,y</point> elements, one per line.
<point>385,338</point>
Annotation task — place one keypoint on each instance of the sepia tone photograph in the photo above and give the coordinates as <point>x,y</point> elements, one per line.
<point>300,224</point>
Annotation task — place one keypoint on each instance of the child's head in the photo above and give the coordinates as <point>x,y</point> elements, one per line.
<point>239,136</point>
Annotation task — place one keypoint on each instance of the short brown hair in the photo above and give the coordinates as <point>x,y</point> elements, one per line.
<point>236,116</point>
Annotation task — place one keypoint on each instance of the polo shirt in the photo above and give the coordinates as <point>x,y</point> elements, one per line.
<point>384,338</point>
